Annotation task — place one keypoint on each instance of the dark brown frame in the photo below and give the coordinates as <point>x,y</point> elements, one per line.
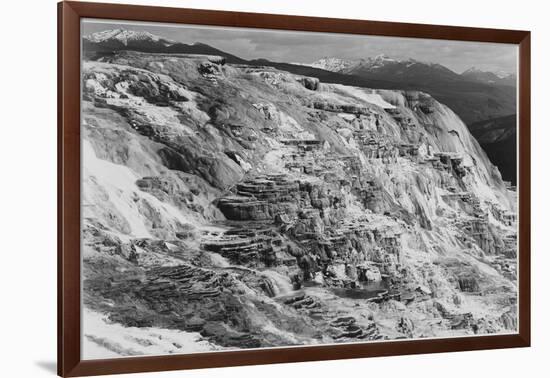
<point>69,362</point>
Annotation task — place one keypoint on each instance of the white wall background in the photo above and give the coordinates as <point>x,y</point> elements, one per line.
<point>28,187</point>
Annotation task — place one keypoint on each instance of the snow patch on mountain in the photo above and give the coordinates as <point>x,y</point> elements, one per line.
<point>489,77</point>
<point>125,36</point>
<point>331,64</point>
<point>369,64</point>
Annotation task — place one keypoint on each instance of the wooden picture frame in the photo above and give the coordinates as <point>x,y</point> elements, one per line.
<point>69,168</point>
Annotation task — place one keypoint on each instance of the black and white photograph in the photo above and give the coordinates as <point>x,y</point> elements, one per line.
<point>252,188</point>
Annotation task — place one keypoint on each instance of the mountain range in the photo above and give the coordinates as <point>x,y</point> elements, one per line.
<point>387,68</point>
<point>98,44</point>
<point>501,78</point>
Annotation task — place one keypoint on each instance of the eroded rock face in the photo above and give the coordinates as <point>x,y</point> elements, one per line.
<point>468,284</point>
<point>258,208</point>
<point>310,83</point>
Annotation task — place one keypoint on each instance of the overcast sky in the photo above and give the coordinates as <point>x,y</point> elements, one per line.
<point>307,47</point>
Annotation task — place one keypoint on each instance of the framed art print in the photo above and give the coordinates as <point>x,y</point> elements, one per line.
<point>239,188</point>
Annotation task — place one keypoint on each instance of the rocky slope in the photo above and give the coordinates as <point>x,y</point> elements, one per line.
<point>237,206</point>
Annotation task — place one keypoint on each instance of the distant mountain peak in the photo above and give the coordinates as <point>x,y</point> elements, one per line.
<point>383,57</point>
<point>371,63</point>
<point>500,74</point>
<point>114,40</point>
<point>489,77</point>
<point>505,75</point>
<point>471,70</point>
<point>125,36</point>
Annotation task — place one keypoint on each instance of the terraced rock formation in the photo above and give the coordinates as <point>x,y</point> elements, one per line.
<point>235,206</point>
